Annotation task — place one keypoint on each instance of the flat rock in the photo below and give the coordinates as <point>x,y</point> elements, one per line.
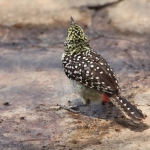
<point>131,16</point>
<point>33,82</point>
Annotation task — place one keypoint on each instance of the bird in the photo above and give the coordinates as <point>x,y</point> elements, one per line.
<point>91,75</point>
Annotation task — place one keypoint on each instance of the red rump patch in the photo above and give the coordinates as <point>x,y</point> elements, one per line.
<point>105,98</point>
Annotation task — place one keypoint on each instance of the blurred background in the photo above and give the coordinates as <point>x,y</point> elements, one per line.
<point>127,15</point>
<point>32,33</point>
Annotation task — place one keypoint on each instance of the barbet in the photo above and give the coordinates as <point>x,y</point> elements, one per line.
<point>91,75</point>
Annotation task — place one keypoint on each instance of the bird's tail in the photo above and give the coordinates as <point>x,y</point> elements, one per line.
<point>128,108</point>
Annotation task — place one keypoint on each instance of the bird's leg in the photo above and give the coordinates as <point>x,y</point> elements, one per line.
<point>75,109</point>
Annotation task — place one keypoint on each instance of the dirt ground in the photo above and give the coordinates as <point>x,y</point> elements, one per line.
<point>33,82</point>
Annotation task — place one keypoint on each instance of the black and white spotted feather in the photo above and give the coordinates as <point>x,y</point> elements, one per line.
<point>91,70</point>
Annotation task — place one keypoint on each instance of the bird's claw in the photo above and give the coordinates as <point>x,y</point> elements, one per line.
<point>73,109</point>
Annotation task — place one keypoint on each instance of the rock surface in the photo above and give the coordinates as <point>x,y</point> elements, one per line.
<point>131,16</point>
<point>33,82</point>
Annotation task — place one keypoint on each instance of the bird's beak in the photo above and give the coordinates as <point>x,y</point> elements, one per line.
<point>72,21</point>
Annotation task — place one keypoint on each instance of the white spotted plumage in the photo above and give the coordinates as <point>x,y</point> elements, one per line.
<point>90,69</point>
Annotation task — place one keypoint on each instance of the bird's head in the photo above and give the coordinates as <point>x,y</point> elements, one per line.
<point>76,41</point>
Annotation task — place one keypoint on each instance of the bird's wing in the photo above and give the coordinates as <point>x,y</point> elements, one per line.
<point>91,70</point>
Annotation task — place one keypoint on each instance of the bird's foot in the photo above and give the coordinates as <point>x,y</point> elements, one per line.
<point>73,109</point>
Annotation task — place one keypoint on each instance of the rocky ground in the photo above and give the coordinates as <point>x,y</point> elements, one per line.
<point>32,82</point>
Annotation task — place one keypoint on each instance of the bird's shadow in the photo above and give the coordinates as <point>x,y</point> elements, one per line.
<point>109,112</point>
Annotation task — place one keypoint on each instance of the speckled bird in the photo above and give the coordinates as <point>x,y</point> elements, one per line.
<point>91,75</point>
